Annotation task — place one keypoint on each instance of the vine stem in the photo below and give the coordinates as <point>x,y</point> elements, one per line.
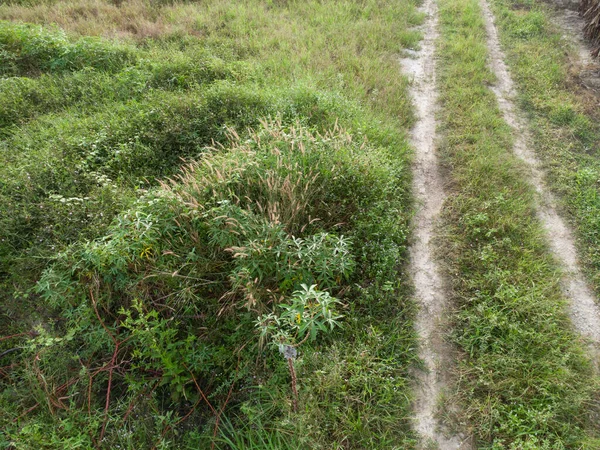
<point>294,389</point>
<point>110,369</point>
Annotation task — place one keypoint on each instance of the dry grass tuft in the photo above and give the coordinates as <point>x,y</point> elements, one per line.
<point>590,10</point>
<point>290,187</point>
<point>138,19</point>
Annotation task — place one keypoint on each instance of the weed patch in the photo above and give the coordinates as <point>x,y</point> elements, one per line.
<point>175,208</point>
<point>174,292</point>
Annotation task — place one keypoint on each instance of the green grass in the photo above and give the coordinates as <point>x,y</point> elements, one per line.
<point>523,380</point>
<point>105,239</point>
<point>349,46</point>
<point>169,182</point>
<point>564,119</point>
<point>164,67</point>
<point>29,50</point>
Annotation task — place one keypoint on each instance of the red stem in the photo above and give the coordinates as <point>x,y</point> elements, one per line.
<point>4,338</point>
<point>294,390</point>
<point>111,367</point>
<point>212,445</point>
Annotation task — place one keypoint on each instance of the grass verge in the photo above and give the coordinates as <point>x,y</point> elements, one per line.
<point>523,380</point>
<point>563,114</point>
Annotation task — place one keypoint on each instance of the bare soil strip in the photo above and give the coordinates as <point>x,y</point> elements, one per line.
<point>429,193</point>
<point>584,312</point>
<point>571,25</point>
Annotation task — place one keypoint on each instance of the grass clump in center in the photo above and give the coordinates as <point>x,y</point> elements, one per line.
<point>162,315</point>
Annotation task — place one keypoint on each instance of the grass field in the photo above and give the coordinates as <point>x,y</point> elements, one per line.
<point>523,380</point>
<point>190,191</point>
<point>564,117</point>
<point>225,178</point>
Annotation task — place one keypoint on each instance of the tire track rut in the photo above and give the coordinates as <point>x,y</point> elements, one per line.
<point>583,309</point>
<point>429,287</point>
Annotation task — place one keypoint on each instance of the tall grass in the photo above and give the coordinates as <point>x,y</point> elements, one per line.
<point>160,195</point>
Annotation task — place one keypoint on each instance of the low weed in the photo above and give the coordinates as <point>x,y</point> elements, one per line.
<point>523,379</point>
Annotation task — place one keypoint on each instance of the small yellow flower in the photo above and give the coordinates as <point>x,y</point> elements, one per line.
<point>298,318</point>
<point>146,253</point>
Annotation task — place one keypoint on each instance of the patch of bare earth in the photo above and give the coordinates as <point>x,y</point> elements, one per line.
<point>429,287</point>
<point>586,68</point>
<point>583,309</point>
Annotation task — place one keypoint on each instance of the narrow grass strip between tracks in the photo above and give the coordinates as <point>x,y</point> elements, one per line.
<point>523,380</point>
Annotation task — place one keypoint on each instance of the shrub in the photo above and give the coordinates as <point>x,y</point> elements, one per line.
<point>104,157</point>
<point>29,50</point>
<point>164,307</point>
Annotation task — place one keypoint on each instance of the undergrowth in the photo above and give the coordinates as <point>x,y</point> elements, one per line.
<point>161,314</point>
<point>523,379</point>
<point>176,208</point>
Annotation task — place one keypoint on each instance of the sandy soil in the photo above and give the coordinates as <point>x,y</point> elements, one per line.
<point>430,293</point>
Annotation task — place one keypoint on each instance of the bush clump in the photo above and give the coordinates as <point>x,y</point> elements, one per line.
<point>163,313</point>
<point>67,175</point>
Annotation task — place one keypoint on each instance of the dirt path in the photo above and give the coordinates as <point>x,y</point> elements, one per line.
<point>571,24</point>
<point>584,312</point>
<point>429,192</point>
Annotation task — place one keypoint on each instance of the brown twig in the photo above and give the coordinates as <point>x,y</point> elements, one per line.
<point>108,391</point>
<point>26,412</point>
<point>301,342</point>
<point>100,319</point>
<point>202,397</point>
<point>44,385</point>
<point>294,389</point>
<point>3,369</point>
<point>110,369</point>
<point>141,394</point>
<point>4,338</point>
<point>201,391</point>
<point>90,383</point>
<point>215,431</point>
